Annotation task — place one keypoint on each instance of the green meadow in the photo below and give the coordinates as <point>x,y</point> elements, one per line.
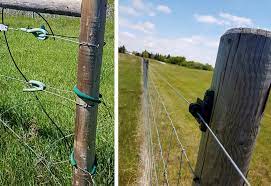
<point>53,62</point>
<point>192,84</point>
<point>129,118</point>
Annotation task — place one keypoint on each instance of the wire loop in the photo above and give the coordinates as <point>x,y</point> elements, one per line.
<point>35,86</point>
<point>88,44</point>
<point>86,97</point>
<point>92,171</point>
<point>3,28</point>
<point>40,33</point>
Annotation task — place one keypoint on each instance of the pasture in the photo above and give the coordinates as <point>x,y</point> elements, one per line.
<point>129,116</point>
<point>192,84</point>
<point>53,62</point>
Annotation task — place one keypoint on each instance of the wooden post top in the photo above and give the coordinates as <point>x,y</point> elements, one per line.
<point>255,31</point>
<point>59,7</point>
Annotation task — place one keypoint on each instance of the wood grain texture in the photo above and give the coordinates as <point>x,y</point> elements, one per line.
<point>146,156</point>
<point>88,81</point>
<point>59,7</point>
<point>241,81</point>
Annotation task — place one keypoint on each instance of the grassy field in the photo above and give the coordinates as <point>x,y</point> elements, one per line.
<point>129,114</point>
<point>192,83</point>
<point>55,64</point>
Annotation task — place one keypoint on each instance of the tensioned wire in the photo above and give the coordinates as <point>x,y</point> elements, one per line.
<point>152,150</point>
<point>42,158</point>
<point>160,145</point>
<point>61,96</point>
<point>180,169</point>
<point>174,128</point>
<point>30,149</point>
<point>52,34</point>
<point>26,80</point>
<point>62,37</point>
<point>170,145</point>
<point>21,138</point>
<point>180,95</point>
<point>22,81</point>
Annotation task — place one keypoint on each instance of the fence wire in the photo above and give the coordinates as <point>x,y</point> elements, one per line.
<point>15,120</point>
<point>162,119</point>
<point>167,149</point>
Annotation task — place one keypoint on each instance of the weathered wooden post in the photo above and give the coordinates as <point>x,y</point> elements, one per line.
<point>145,64</point>
<point>241,83</point>
<point>59,7</point>
<point>147,178</point>
<point>93,16</point>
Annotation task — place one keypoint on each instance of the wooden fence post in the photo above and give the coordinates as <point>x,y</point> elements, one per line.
<point>145,76</point>
<point>59,7</point>
<point>88,77</point>
<point>147,177</point>
<point>241,82</point>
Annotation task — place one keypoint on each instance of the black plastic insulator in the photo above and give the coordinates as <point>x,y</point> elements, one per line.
<point>196,180</point>
<point>204,108</point>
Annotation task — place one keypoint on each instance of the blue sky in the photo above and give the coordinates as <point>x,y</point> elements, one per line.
<point>191,28</point>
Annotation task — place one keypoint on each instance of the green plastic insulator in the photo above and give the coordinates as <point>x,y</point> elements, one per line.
<point>72,160</point>
<point>84,96</point>
<point>93,171</point>
<point>74,164</point>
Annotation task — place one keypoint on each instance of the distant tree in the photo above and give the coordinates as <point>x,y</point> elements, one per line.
<point>151,55</point>
<point>146,54</point>
<point>208,67</point>
<point>156,56</point>
<point>137,53</point>
<point>177,60</point>
<point>122,49</point>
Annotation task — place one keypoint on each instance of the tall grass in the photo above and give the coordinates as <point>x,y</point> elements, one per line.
<point>129,118</point>
<point>192,83</point>
<point>55,64</point>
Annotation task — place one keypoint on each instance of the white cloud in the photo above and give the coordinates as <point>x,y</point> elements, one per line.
<point>208,19</point>
<point>163,8</point>
<point>143,7</point>
<point>146,27</point>
<point>236,20</point>
<point>128,11</point>
<point>225,19</point>
<point>127,34</point>
<point>197,48</point>
<point>151,13</point>
<point>200,40</point>
<point>138,4</point>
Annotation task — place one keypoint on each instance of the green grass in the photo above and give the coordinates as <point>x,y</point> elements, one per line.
<point>193,83</point>
<point>129,116</point>
<point>55,64</point>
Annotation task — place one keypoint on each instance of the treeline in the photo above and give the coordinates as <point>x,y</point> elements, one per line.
<point>122,49</point>
<point>177,60</point>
